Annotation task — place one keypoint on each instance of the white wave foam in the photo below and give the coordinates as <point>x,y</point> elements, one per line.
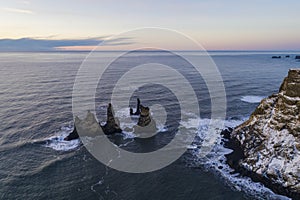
<point>216,162</point>
<point>58,143</point>
<point>161,127</point>
<point>252,99</point>
<point>191,123</point>
<point>128,135</point>
<point>127,122</point>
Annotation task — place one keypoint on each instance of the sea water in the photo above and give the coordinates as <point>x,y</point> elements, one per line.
<point>36,114</point>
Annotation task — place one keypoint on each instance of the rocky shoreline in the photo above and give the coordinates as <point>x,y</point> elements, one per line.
<point>266,147</point>
<point>235,157</point>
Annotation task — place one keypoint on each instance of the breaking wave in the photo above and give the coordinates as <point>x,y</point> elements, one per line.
<point>58,143</point>
<point>215,162</point>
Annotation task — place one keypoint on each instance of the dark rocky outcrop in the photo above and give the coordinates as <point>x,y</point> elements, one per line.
<point>297,57</point>
<point>144,118</point>
<point>267,146</point>
<point>73,135</point>
<point>90,126</point>
<point>276,57</point>
<point>146,126</point>
<point>86,127</point>
<point>112,125</point>
<point>137,112</point>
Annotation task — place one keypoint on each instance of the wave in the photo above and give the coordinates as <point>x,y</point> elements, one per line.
<point>58,143</point>
<point>252,99</point>
<point>128,122</point>
<point>215,162</point>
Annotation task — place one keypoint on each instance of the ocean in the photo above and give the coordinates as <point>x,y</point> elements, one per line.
<point>36,114</point>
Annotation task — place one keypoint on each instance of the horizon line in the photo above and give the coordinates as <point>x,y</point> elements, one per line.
<point>211,50</point>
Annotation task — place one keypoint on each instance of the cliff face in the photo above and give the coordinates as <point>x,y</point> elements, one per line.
<point>270,139</point>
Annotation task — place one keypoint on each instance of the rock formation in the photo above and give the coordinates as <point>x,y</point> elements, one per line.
<point>146,125</point>
<point>144,118</point>
<point>137,112</point>
<point>73,135</point>
<point>90,127</point>
<point>276,56</point>
<point>87,127</point>
<point>297,57</point>
<point>112,125</point>
<point>267,146</point>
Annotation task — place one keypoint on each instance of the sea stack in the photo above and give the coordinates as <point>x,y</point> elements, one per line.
<point>137,112</point>
<point>146,126</point>
<point>86,127</point>
<point>144,119</point>
<point>112,125</point>
<point>90,126</point>
<point>73,135</point>
<point>267,146</point>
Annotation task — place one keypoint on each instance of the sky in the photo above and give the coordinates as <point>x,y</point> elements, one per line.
<point>215,24</point>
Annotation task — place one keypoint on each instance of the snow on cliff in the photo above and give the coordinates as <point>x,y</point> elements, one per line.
<point>270,139</point>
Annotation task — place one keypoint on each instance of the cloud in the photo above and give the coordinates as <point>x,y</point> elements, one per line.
<point>118,41</point>
<point>37,44</point>
<point>16,10</point>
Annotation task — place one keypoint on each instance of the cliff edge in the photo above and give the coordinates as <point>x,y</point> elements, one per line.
<point>267,145</point>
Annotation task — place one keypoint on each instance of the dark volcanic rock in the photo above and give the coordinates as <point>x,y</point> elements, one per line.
<point>267,146</point>
<point>146,126</point>
<point>144,118</point>
<point>90,126</point>
<point>112,125</point>
<point>276,57</point>
<point>86,127</point>
<point>73,135</point>
<point>137,112</point>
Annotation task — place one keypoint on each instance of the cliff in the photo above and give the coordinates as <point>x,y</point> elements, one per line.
<point>267,146</point>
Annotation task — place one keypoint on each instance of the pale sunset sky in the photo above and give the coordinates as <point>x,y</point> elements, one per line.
<point>216,24</point>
